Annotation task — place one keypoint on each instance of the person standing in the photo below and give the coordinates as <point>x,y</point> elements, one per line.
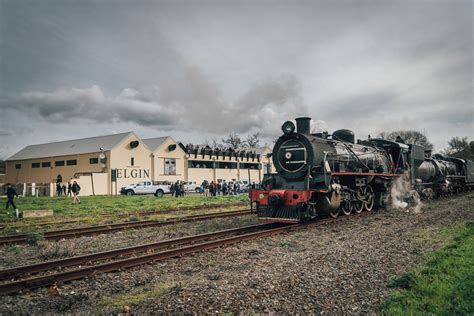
<point>58,189</point>
<point>224,188</point>
<point>75,188</point>
<point>11,193</point>
<point>212,189</point>
<point>69,189</point>
<point>64,189</point>
<point>205,186</point>
<point>181,188</point>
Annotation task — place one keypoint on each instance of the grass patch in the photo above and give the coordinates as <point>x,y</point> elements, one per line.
<point>96,205</point>
<point>33,238</point>
<point>136,297</point>
<point>444,285</point>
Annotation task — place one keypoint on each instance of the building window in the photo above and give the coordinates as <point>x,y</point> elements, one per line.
<point>35,165</point>
<point>72,162</point>
<point>200,164</point>
<point>18,166</point>
<point>132,161</point>
<point>170,166</point>
<point>249,166</point>
<point>93,161</point>
<point>46,164</point>
<point>59,163</point>
<point>225,165</point>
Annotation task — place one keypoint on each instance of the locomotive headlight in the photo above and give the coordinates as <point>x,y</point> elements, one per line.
<point>288,127</point>
<point>261,196</point>
<point>288,155</point>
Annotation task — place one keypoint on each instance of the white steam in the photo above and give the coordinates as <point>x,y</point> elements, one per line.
<point>404,197</point>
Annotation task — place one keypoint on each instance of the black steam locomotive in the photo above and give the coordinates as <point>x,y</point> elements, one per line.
<point>328,174</point>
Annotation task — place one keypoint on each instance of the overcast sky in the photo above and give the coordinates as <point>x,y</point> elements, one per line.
<point>198,69</point>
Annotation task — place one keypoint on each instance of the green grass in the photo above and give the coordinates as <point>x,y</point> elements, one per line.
<point>444,285</point>
<point>135,297</point>
<point>93,205</point>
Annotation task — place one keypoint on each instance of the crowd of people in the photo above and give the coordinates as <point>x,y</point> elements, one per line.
<point>178,189</point>
<point>212,188</point>
<point>62,189</point>
<point>69,190</point>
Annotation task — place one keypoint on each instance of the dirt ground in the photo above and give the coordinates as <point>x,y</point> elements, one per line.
<point>336,269</point>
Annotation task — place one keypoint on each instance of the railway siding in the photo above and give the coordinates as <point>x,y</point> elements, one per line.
<point>342,268</point>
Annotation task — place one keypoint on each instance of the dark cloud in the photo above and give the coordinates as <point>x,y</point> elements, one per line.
<point>204,68</point>
<point>198,104</point>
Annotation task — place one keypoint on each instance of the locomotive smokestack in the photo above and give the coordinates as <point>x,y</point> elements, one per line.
<point>302,125</point>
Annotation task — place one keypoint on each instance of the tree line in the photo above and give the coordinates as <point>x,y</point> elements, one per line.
<point>459,147</point>
<point>235,141</point>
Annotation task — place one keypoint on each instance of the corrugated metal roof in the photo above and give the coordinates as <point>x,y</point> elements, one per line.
<point>70,147</point>
<point>154,143</point>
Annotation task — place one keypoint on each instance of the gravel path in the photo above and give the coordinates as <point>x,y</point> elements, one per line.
<point>334,269</point>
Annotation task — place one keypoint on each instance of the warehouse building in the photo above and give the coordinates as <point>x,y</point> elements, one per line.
<point>102,165</point>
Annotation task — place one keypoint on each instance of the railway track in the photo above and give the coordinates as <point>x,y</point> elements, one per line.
<point>139,213</point>
<point>104,229</point>
<point>140,255</point>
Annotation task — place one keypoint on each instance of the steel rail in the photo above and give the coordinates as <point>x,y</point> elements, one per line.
<point>66,262</point>
<point>139,213</point>
<point>102,229</point>
<point>48,280</point>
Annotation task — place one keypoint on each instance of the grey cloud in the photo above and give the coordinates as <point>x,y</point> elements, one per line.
<point>197,105</point>
<point>361,106</point>
<point>196,68</point>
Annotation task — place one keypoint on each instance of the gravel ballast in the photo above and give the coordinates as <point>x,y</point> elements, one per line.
<point>340,268</point>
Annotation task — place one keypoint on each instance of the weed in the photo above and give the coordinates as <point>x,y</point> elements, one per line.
<point>406,281</point>
<point>286,244</point>
<point>136,297</point>
<point>14,249</point>
<point>33,238</point>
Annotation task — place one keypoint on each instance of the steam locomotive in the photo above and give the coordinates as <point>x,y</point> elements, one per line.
<point>328,174</point>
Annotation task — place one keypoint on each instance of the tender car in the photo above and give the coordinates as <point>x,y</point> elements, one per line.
<point>158,188</point>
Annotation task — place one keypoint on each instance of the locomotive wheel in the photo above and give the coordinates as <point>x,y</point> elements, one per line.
<point>335,213</point>
<point>346,208</point>
<point>369,198</point>
<point>358,205</point>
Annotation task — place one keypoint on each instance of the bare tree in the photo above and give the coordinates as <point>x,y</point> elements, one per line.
<point>410,137</point>
<point>233,141</point>
<point>253,140</point>
<point>460,148</point>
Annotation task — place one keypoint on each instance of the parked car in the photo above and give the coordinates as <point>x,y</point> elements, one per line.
<point>158,188</point>
<point>244,185</point>
<point>192,186</point>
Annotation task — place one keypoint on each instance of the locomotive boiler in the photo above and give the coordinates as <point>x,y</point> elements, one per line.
<point>321,173</point>
<point>442,174</point>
